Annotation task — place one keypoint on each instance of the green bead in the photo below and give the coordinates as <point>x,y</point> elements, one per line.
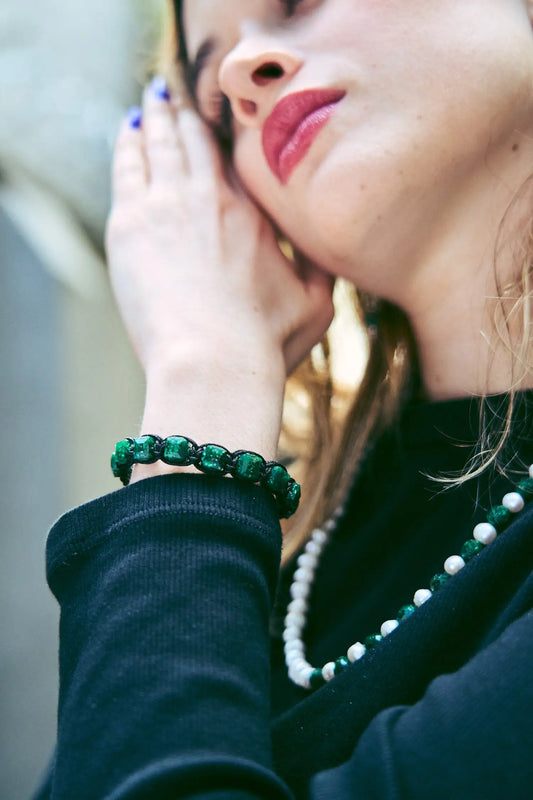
<point>278,480</point>
<point>316,679</point>
<point>372,640</point>
<point>213,459</point>
<point>438,581</point>
<point>405,611</point>
<point>123,453</point>
<point>525,488</point>
<point>291,500</point>
<point>340,664</point>
<point>177,450</point>
<point>500,517</point>
<point>122,471</point>
<point>471,548</point>
<point>144,450</point>
<point>249,467</point>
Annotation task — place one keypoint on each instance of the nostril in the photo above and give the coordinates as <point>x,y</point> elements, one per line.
<point>248,107</point>
<point>266,73</point>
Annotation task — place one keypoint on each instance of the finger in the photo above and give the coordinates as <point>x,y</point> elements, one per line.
<point>319,284</point>
<point>164,150</point>
<point>129,166</point>
<point>204,159</point>
<point>318,311</point>
<point>302,341</point>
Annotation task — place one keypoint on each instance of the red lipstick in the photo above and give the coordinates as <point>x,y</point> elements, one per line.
<point>293,125</point>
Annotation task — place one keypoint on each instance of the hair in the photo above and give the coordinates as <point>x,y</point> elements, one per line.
<point>328,428</point>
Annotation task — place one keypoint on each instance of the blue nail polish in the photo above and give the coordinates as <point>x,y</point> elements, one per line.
<point>134,117</point>
<point>160,88</point>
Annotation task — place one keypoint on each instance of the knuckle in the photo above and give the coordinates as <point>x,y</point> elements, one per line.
<point>125,166</point>
<point>163,140</point>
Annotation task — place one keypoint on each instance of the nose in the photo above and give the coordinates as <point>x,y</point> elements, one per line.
<point>254,73</point>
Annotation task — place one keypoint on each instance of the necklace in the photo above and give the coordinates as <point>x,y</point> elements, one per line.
<point>301,672</point>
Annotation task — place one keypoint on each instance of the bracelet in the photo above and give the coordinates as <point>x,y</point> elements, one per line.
<point>211,459</point>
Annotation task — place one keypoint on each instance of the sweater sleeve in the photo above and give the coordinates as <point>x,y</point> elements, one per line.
<point>165,590</point>
<point>469,736</point>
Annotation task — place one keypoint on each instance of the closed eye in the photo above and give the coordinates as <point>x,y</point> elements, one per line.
<point>221,117</point>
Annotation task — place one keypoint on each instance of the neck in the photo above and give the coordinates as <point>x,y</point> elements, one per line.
<point>468,327</point>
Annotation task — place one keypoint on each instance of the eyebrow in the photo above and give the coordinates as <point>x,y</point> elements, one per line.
<point>194,69</point>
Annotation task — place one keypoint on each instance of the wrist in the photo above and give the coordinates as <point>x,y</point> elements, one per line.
<point>232,405</point>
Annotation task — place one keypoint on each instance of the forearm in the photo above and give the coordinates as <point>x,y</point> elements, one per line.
<point>165,592</point>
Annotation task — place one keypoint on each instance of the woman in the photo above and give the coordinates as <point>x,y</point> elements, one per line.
<point>391,144</point>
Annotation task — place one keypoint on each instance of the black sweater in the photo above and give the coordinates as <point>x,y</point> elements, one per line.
<point>170,686</point>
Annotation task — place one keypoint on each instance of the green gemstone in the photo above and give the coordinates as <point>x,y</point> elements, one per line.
<point>278,479</point>
<point>213,459</point>
<point>340,664</point>
<point>471,548</point>
<point>372,640</point>
<point>177,450</point>
<point>405,611</point>
<point>525,488</point>
<point>123,453</point>
<point>117,470</point>
<point>316,679</point>
<point>249,467</point>
<point>438,581</point>
<point>500,517</point>
<point>292,499</point>
<point>144,450</point>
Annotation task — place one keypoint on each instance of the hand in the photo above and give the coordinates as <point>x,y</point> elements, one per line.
<point>191,258</point>
<point>195,266</point>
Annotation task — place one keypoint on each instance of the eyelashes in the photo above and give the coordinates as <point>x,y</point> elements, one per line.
<point>220,108</point>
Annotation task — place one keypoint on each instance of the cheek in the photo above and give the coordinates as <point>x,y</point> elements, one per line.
<point>254,174</point>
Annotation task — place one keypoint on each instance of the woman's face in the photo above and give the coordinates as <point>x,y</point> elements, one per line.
<point>406,107</point>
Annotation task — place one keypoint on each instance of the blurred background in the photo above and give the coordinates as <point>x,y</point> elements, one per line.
<point>70,385</point>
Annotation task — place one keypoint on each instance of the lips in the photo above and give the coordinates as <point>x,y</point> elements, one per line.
<point>293,125</point>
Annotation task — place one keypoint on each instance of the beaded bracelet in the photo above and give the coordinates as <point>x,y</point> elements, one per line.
<point>212,459</point>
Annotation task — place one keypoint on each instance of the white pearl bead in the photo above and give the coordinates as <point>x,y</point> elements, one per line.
<point>299,590</point>
<point>299,605</point>
<point>421,596</point>
<point>328,670</point>
<point>356,651</point>
<point>514,502</point>
<point>307,560</point>
<point>313,548</point>
<point>301,676</point>
<point>485,533</point>
<point>319,536</point>
<point>303,575</point>
<point>291,634</point>
<point>298,674</point>
<point>531,471</point>
<point>329,525</point>
<point>296,662</point>
<point>294,620</point>
<point>389,626</point>
<point>294,648</point>
<point>453,564</point>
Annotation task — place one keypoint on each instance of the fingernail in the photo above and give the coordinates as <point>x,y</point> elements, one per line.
<point>134,117</point>
<point>160,88</point>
